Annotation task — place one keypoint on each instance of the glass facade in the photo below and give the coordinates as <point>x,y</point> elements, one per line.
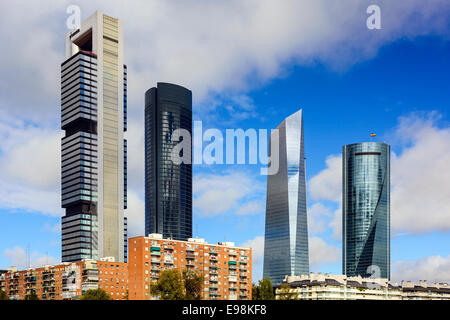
<point>366,210</point>
<point>286,231</point>
<point>168,187</point>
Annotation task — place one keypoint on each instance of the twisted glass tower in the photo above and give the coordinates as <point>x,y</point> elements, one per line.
<point>168,186</point>
<point>366,210</point>
<point>286,234</point>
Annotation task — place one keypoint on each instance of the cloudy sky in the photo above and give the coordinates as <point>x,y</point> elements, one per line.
<point>249,64</point>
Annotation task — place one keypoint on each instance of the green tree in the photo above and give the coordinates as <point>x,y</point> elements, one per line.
<point>3,295</point>
<point>266,290</point>
<point>126,296</point>
<point>285,293</point>
<point>193,284</point>
<point>95,294</point>
<point>169,285</point>
<point>32,296</point>
<point>255,292</point>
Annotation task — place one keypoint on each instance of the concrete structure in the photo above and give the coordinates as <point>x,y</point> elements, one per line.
<point>227,270</point>
<point>168,185</point>
<point>286,231</point>
<point>340,287</point>
<point>366,210</point>
<point>93,116</point>
<point>67,281</point>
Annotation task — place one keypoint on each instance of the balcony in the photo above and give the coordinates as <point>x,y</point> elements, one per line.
<point>213,258</point>
<point>190,256</point>
<point>155,253</point>
<point>190,249</point>
<point>232,279</point>
<point>231,263</point>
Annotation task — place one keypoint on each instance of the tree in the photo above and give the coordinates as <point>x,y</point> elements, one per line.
<point>3,295</point>
<point>169,285</point>
<point>32,296</point>
<point>95,294</point>
<point>266,290</point>
<point>255,292</point>
<point>126,296</point>
<point>193,284</point>
<point>285,293</point>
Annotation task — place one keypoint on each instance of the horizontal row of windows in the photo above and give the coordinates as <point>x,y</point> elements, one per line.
<point>78,216</point>
<point>77,57</point>
<point>76,234</point>
<point>82,134</point>
<point>79,198</point>
<point>77,78</point>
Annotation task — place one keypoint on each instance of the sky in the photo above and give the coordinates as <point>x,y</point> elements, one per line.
<point>249,64</point>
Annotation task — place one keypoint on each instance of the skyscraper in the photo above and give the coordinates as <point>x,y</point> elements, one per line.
<point>366,210</point>
<point>93,116</point>
<point>168,186</point>
<point>286,234</point>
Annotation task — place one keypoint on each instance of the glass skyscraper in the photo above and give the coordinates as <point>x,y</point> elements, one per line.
<point>366,210</point>
<point>168,186</point>
<point>286,233</point>
<point>94,166</point>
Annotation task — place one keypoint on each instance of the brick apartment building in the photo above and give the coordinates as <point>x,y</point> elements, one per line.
<point>67,280</point>
<point>226,269</point>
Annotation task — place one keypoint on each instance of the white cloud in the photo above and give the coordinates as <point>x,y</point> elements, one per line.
<point>321,253</point>
<point>226,193</point>
<point>253,207</point>
<point>211,47</point>
<point>29,167</point>
<point>327,184</point>
<point>317,218</point>
<point>18,258</point>
<point>433,269</point>
<point>421,177</point>
<point>257,245</point>
<point>135,214</point>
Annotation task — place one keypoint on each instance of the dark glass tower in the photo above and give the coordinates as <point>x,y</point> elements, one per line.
<point>286,234</point>
<point>168,187</point>
<point>366,210</point>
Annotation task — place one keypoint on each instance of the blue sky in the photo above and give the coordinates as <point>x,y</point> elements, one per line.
<point>349,81</point>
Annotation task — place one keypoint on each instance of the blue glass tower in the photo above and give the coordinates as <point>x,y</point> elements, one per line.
<point>286,234</point>
<point>366,210</point>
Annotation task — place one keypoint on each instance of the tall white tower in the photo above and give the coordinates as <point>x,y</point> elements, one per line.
<point>93,116</point>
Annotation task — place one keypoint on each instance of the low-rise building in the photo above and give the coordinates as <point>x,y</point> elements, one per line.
<point>226,269</point>
<point>66,281</point>
<point>340,287</point>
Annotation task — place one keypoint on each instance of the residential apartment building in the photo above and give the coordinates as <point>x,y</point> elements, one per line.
<point>226,269</point>
<point>340,287</point>
<point>66,281</point>
<point>93,149</point>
